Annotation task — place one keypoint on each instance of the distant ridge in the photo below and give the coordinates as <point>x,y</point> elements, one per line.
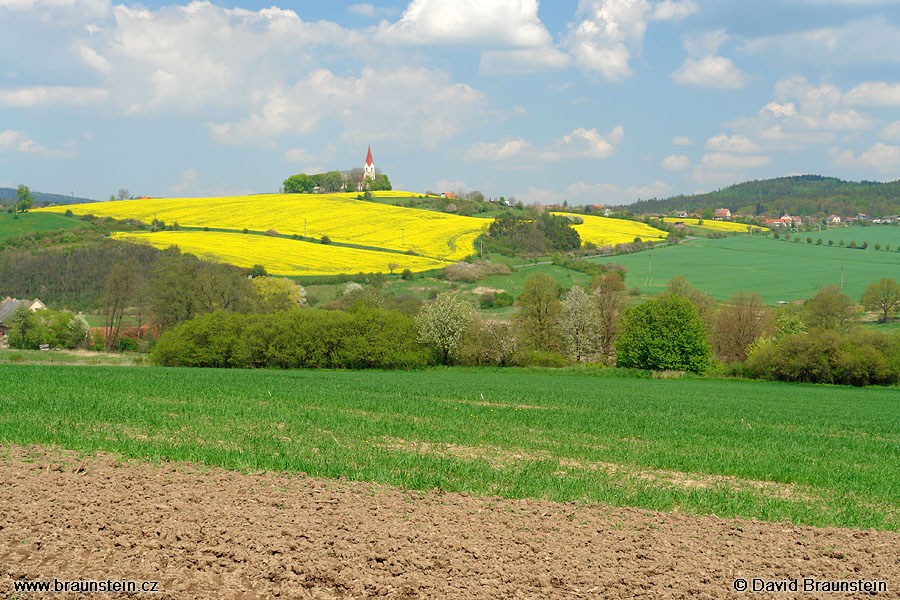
<point>796,195</point>
<point>41,198</point>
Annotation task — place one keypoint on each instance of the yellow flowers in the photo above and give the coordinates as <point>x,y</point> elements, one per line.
<point>727,226</point>
<point>605,231</point>
<point>341,217</point>
<point>281,256</point>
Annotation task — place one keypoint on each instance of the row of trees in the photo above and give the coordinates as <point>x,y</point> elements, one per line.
<point>335,181</point>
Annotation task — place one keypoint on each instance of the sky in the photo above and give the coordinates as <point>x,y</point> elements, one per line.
<point>585,101</point>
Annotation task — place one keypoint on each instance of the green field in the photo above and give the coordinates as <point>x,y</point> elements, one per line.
<point>807,454</point>
<point>31,221</point>
<point>776,269</point>
<point>874,234</point>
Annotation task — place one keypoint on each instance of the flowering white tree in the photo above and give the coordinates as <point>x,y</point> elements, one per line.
<point>579,324</point>
<point>442,323</point>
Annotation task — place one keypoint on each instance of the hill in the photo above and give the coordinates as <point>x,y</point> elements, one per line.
<point>41,198</point>
<point>806,195</point>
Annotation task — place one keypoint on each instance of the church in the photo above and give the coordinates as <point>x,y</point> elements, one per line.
<point>368,172</point>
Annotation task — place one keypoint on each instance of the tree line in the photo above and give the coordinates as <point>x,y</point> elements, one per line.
<point>335,181</point>
<point>806,195</point>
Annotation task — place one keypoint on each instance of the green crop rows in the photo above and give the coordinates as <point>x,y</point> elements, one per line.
<point>776,269</point>
<point>809,454</point>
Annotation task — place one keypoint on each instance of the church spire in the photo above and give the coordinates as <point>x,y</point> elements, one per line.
<point>369,160</point>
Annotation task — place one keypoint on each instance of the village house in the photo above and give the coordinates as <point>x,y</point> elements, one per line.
<point>722,214</point>
<point>8,307</point>
<point>834,220</point>
<point>450,195</point>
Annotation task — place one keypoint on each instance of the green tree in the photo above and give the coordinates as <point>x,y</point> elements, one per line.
<point>442,324</point>
<point>830,308</point>
<point>25,331</point>
<point>883,296</point>
<point>24,200</point>
<point>539,310</point>
<point>663,333</point>
<point>277,293</point>
<point>296,184</point>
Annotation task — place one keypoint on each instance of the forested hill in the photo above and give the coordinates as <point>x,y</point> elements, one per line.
<point>802,195</point>
<point>7,195</point>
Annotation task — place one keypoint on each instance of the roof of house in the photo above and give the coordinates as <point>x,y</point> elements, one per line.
<point>369,160</point>
<point>8,307</point>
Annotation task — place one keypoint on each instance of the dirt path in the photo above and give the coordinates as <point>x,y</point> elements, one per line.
<point>210,533</point>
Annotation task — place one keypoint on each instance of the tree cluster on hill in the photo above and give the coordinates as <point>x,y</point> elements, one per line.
<point>516,234</point>
<point>335,181</point>
<point>810,195</point>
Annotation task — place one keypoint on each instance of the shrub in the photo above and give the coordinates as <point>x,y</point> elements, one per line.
<point>325,239</point>
<point>503,299</point>
<point>271,232</point>
<point>663,333</point>
<point>471,272</point>
<point>245,230</point>
<point>406,274</point>
<point>831,242</point>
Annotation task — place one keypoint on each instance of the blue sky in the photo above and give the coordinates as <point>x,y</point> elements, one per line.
<point>600,101</point>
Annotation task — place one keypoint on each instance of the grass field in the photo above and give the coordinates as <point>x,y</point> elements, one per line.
<point>34,221</point>
<point>874,234</point>
<point>807,454</point>
<point>776,269</point>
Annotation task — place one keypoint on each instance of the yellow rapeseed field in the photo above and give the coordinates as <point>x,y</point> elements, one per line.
<point>341,217</point>
<point>725,226</point>
<point>280,256</point>
<point>605,231</point>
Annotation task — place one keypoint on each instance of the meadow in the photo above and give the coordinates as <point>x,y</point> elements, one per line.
<point>807,454</point>
<point>341,217</point>
<point>279,255</point>
<point>778,270</point>
<point>34,221</point>
<point>604,231</point>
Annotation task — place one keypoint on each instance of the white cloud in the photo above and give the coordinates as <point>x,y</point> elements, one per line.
<point>446,185</point>
<point>865,42</point>
<point>406,103</point>
<point>710,71</point>
<point>580,143</point>
<point>509,149</point>
<point>703,68</point>
<point>611,32</point>
<point>19,141</point>
<point>676,162</point>
<point>188,181</point>
<point>234,53</point>
<point>734,143</point>
<point>721,161</point>
<point>53,96</point>
<point>682,140</point>
<point>892,131</point>
<point>580,192</point>
<point>879,157</point>
<point>588,143</point>
<point>500,22</point>
<point>874,93</point>
<point>527,60</point>
<point>364,9</point>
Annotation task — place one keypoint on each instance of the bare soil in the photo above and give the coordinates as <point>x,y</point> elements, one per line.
<point>211,533</point>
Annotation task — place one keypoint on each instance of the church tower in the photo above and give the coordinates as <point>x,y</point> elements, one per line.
<point>369,169</point>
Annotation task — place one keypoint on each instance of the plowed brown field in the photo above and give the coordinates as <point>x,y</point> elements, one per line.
<point>211,533</point>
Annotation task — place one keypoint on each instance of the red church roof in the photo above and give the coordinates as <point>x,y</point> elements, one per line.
<point>369,160</point>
